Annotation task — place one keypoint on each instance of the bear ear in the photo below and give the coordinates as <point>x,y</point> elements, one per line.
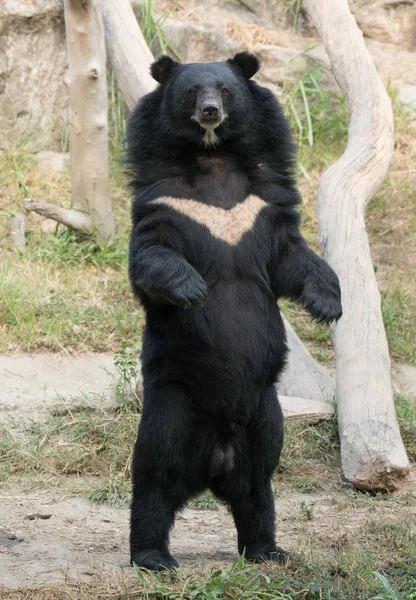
<point>248,64</point>
<point>162,68</point>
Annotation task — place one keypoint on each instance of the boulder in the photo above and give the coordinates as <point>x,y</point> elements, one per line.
<point>55,162</point>
<point>407,95</point>
<point>391,21</point>
<point>33,96</point>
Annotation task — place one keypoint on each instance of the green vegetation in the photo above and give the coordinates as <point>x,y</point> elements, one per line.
<point>151,27</point>
<point>341,539</point>
<point>346,579</point>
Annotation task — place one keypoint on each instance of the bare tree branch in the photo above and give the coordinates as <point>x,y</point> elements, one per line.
<point>71,218</point>
<point>372,451</point>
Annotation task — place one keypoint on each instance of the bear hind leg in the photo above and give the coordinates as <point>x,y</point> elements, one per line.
<point>166,473</point>
<point>247,487</point>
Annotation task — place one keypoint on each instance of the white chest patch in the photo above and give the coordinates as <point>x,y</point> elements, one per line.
<point>227,225</point>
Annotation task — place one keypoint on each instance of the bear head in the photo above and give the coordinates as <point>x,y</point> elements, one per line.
<point>206,103</point>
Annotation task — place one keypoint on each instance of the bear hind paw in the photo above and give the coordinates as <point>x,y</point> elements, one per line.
<point>154,560</point>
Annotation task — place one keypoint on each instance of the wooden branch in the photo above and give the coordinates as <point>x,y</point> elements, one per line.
<point>88,102</point>
<point>303,377</point>
<point>71,218</point>
<point>129,54</point>
<point>313,411</point>
<point>17,231</point>
<point>372,452</point>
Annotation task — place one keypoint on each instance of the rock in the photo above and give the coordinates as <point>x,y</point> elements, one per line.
<point>8,539</point>
<point>278,65</point>
<point>34,386</point>
<point>53,161</point>
<point>407,95</point>
<point>48,226</point>
<point>393,63</point>
<point>404,380</point>
<point>33,97</point>
<point>197,43</point>
<point>387,20</point>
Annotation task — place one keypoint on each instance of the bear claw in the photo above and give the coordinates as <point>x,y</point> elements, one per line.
<point>154,560</point>
<point>277,554</point>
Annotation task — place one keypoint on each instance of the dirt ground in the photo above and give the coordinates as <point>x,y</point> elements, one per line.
<point>52,540</point>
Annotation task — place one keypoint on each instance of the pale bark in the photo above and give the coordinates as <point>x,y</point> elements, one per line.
<point>91,204</point>
<point>128,52</point>
<point>303,377</point>
<point>17,231</point>
<point>312,411</point>
<point>71,218</point>
<point>372,451</point>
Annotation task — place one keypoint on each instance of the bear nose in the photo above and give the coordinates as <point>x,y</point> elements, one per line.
<point>210,110</point>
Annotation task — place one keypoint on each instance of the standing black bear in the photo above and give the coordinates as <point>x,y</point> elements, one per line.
<point>215,242</point>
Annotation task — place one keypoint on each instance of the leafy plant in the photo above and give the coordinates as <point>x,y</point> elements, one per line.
<point>125,361</point>
<point>239,581</point>
<point>152,28</point>
<point>294,12</point>
<point>305,104</point>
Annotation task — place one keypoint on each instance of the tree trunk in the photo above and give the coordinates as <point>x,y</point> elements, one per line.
<point>17,232</point>
<point>372,452</point>
<point>91,205</point>
<point>129,54</point>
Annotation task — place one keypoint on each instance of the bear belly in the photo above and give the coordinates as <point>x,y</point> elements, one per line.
<point>225,353</point>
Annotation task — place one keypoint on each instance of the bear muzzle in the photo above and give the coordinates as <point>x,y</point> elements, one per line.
<point>209,111</point>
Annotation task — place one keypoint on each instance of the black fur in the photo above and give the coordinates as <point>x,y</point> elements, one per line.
<point>214,343</point>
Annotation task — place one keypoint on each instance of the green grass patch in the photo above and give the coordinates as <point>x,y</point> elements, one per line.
<point>399,310</point>
<point>406,414</point>
<point>351,575</point>
<point>46,307</point>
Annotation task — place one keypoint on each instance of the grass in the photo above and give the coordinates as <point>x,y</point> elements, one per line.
<point>341,538</point>
<point>346,544</point>
<point>96,447</point>
<point>66,293</point>
<point>301,580</point>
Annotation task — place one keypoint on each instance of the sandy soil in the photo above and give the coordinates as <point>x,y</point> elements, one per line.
<point>50,540</point>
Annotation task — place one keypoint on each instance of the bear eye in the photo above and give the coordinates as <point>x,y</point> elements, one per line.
<point>192,92</point>
<point>224,91</point>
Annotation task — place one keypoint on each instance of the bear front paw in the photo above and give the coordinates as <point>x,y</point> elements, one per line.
<point>325,309</point>
<point>190,294</point>
<point>323,300</point>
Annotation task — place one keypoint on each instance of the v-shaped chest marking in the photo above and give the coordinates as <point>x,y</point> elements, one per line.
<point>227,225</point>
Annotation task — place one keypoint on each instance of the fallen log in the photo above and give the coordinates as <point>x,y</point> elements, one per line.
<point>372,452</point>
<point>127,50</point>
<point>303,377</point>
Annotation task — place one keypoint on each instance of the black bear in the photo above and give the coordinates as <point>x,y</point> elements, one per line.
<point>215,243</point>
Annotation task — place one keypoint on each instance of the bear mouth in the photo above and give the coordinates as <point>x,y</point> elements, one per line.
<point>208,121</point>
<point>209,125</point>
